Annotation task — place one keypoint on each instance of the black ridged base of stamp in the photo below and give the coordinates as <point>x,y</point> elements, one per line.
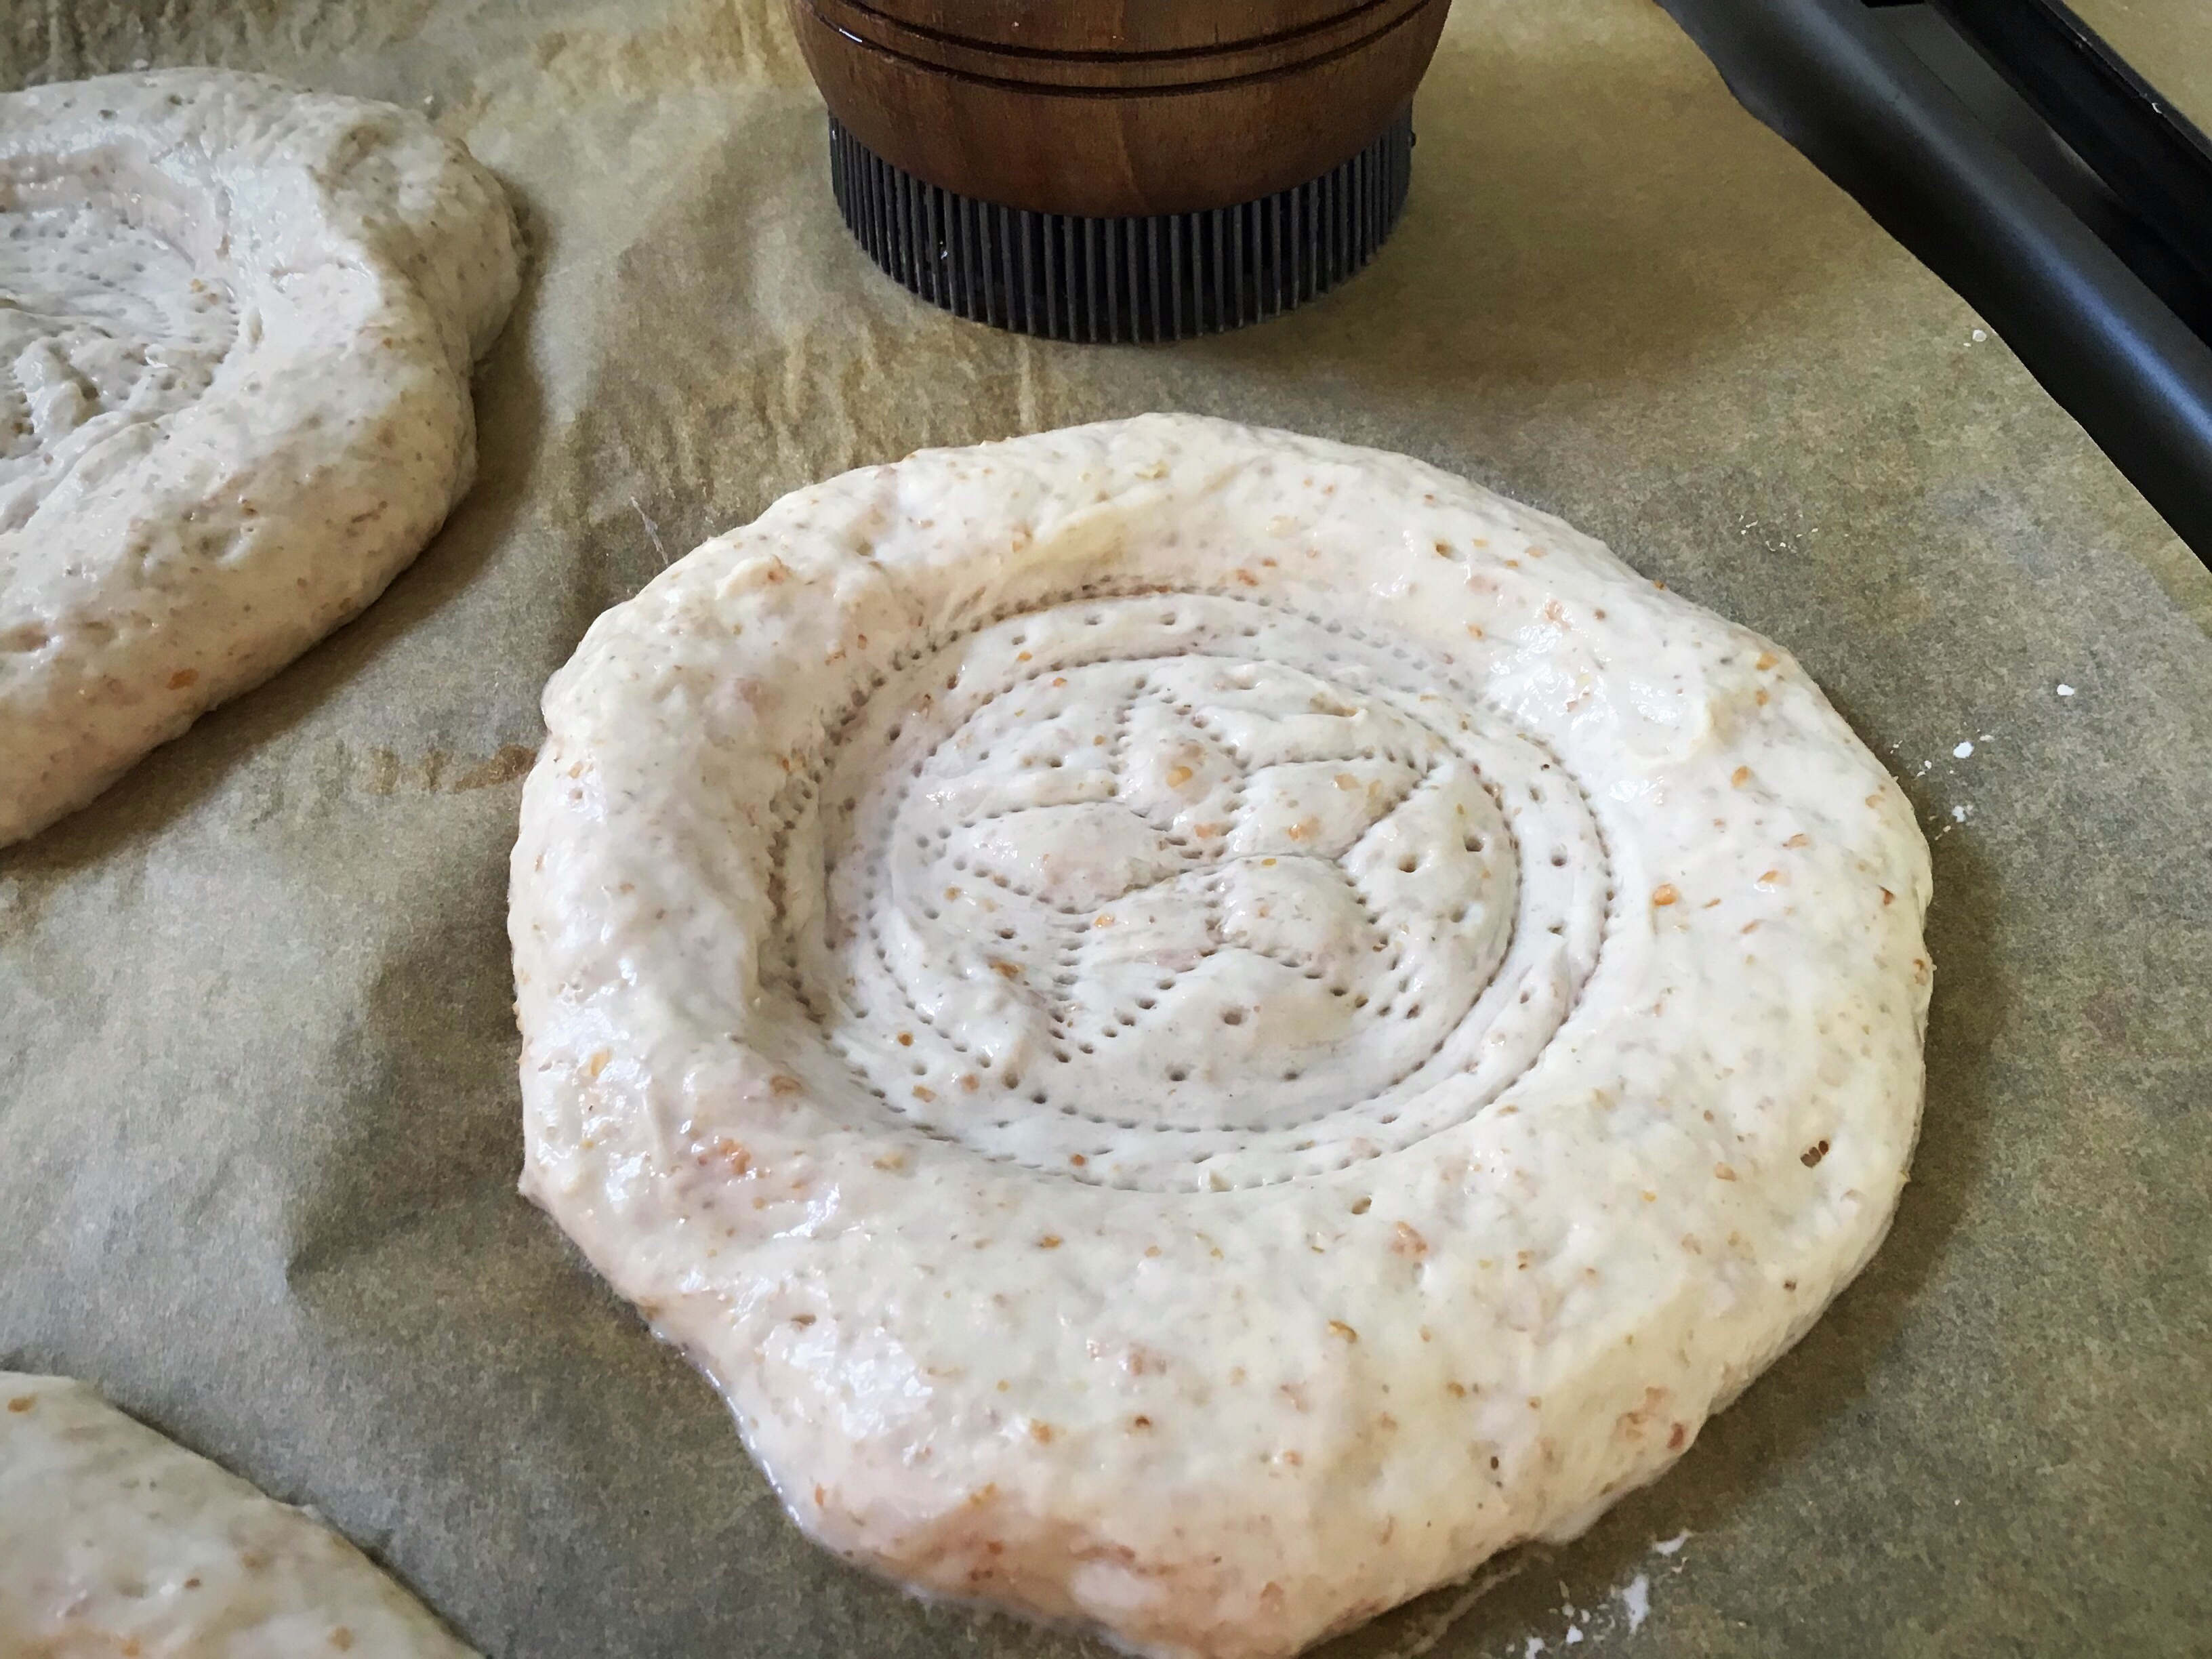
<point>1166,277</point>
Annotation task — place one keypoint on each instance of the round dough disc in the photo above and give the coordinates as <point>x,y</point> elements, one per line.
<point>114,1540</point>
<point>1202,1029</point>
<point>237,322</point>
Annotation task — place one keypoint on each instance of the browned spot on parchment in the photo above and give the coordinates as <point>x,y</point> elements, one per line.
<point>511,761</point>
<point>439,771</point>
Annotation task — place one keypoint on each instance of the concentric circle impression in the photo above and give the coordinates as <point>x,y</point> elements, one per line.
<point>1187,892</point>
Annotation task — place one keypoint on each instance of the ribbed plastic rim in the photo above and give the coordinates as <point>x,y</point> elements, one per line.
<point>1170,277</point>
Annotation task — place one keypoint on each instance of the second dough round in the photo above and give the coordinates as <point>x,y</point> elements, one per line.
<point>239,320</point>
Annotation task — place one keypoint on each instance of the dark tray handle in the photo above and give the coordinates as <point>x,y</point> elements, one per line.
<point>1827,77</point>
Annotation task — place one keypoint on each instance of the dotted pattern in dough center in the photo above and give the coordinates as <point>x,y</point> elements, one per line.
<point>104,324</point>
<point>1185,891</point>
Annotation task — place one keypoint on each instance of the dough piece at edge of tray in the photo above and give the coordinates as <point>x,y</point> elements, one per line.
<point>114,1539</point>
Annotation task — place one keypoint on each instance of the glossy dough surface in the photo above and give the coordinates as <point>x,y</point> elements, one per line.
<point>1202,1029</point>
<point>116,1540</point>
<point>236,324</point>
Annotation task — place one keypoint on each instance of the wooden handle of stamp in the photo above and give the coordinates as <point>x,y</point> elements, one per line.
<point>1117,108</point>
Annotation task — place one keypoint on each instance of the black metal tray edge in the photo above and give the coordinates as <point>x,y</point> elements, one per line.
<point>1830,78</point>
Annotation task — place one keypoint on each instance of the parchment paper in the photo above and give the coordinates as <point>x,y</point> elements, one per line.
<point>2167,42</point>
<point>258,1120</point>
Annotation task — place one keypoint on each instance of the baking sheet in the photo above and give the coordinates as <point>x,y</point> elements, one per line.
<point>259,1124</point>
